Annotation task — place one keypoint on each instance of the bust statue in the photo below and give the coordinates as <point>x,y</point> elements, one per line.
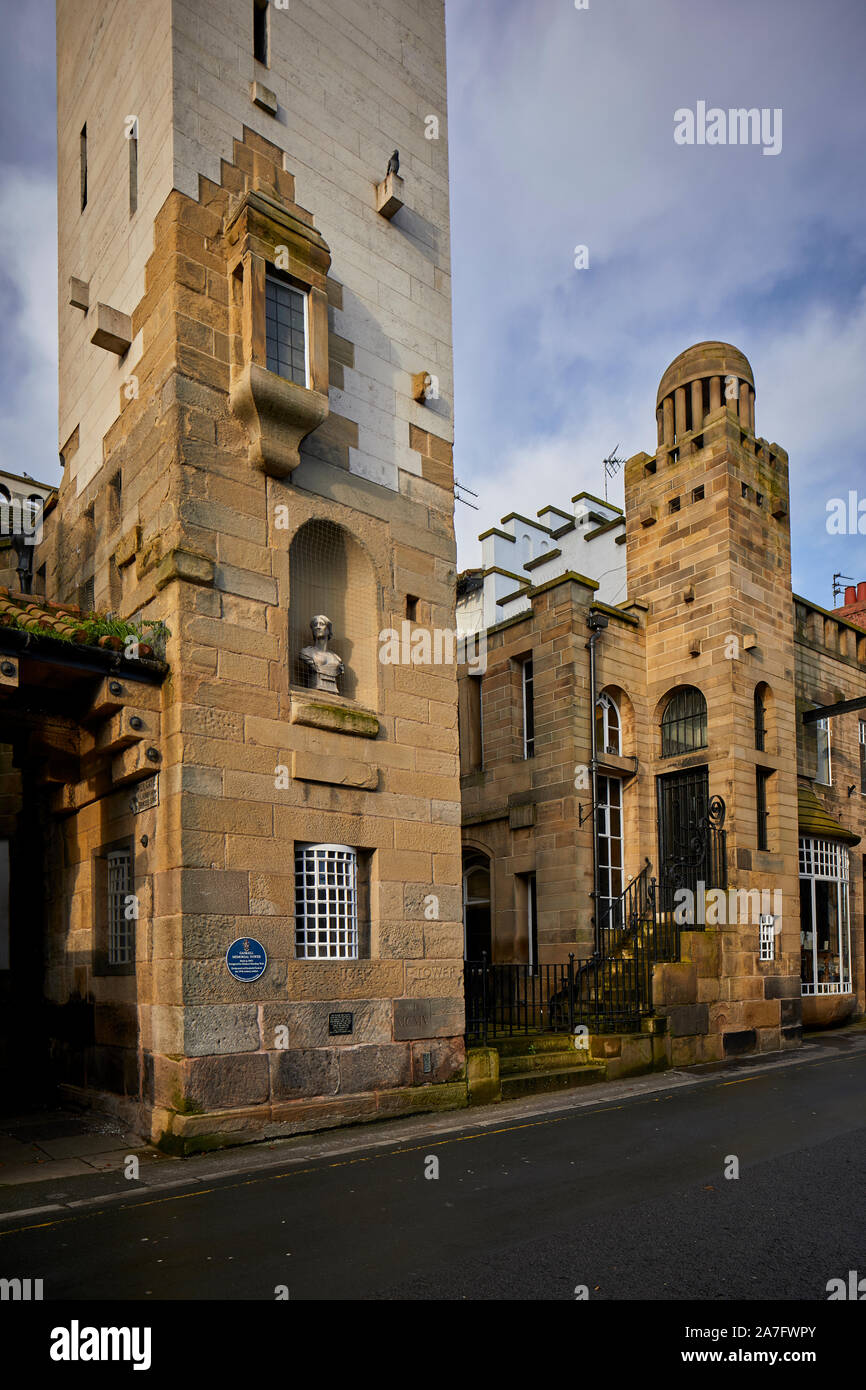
<point>321,667</point>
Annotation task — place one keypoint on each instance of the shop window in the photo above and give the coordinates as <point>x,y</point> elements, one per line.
<point>825,930</point>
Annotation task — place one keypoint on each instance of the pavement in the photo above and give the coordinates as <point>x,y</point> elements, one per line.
<point>625,1191</point>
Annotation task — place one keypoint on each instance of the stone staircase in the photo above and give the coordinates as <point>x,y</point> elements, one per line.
<point>533,1064</point>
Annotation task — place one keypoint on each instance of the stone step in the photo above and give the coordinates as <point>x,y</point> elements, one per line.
<point>544,1061</point>
<point>531,1083</point>
<point>518,1045</point>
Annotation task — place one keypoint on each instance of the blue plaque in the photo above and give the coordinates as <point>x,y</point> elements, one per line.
<point>246,958</point>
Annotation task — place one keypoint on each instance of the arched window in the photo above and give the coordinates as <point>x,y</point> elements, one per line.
<point>608,729</point>
<point>331,576</point>
<point>684,722</point>
<point>476,904</point>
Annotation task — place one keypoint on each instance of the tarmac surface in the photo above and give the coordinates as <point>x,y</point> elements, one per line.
<point>622,1191</point>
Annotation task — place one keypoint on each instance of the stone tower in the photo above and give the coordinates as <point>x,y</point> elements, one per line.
<point>708,544</point>
<point>256,427</point>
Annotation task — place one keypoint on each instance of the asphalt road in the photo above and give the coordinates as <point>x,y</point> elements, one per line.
<point>627,1197</point>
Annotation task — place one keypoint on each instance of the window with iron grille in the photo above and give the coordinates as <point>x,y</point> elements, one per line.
<point>326,902</point>
<point>114,906</point>
<point>121,927</point>
<point>684,722</point>
<point>863,756</point>
<point>527,683</point>
<point>762,780</point>
<point>286,330</point>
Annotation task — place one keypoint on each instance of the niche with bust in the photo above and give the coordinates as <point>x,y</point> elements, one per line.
<point>333,614</point>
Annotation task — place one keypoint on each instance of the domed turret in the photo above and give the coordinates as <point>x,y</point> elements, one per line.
<point>697,383</point>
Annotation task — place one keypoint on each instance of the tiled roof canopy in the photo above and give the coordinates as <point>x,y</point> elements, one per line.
<point>815,820</point>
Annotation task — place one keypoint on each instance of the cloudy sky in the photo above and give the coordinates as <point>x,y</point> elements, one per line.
<point>561,134</point>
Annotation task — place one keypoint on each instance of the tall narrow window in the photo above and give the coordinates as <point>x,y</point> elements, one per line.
<point>121,923</point>
<point>83,165</point>
<point>527,685</point>
<point>822,738</point>
<point>133,168</point>
<point>4,906</point>
<point>607,726</point>
<point>760,719</point>
<point>762,782</point>
<point>260,31</point>
<point>286,330</point>
<point>863,756</point>
<point>326,902</point>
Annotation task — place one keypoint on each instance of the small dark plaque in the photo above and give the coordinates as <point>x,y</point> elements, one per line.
<point>340,1024</point>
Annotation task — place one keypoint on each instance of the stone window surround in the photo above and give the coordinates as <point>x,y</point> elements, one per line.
<point>261,235</point>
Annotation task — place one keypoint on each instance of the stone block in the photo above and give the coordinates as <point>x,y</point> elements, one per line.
<point>113,330</point>
<point>220,1028</point>
<point>373,1068</point>
<point>335,772</point>
<point>436,1061</point>
<point>785,987</point>
<point>674,983</point>
<point>428,1018</point>
<point>185,565</point>
<point>215,1083</point>
<point>308,1024</point>
<point>390,195</point>
<point>482,1075</point>
<point>304,1071</point>
<point>740,1041</point>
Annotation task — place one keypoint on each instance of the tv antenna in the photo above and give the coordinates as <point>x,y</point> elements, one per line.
<point>461,487</point>
<point>612,465</point>
<point>838,585</point>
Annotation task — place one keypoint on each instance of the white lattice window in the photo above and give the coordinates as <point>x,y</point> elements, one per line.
<point>767,938</point>
<point>121,927</point>
<point>326,902</point>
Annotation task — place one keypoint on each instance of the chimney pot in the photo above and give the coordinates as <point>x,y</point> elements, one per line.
<point>850,595</point>
<point>861,591</point>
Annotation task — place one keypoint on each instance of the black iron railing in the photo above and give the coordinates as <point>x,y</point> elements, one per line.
<point>610,991</point>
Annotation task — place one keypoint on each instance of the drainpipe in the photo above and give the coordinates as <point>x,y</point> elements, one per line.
<point>596,622</point>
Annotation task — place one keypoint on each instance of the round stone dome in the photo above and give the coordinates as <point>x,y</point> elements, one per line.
<point>705,360</point>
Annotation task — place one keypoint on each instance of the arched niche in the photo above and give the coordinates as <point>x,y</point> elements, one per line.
<point>330,573</point>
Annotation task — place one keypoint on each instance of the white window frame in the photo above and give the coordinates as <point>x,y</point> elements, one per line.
<point>305,296</point>
<point>326,902</point>
<point>822,726</point>
<point>607,839</point>
<point>527,677</point>
<point>606,703</point>
<point>862,736</point>
<point>827,861</point>
<point>767,938</point>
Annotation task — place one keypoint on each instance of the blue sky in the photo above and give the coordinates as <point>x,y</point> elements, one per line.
<point>561,129</point>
